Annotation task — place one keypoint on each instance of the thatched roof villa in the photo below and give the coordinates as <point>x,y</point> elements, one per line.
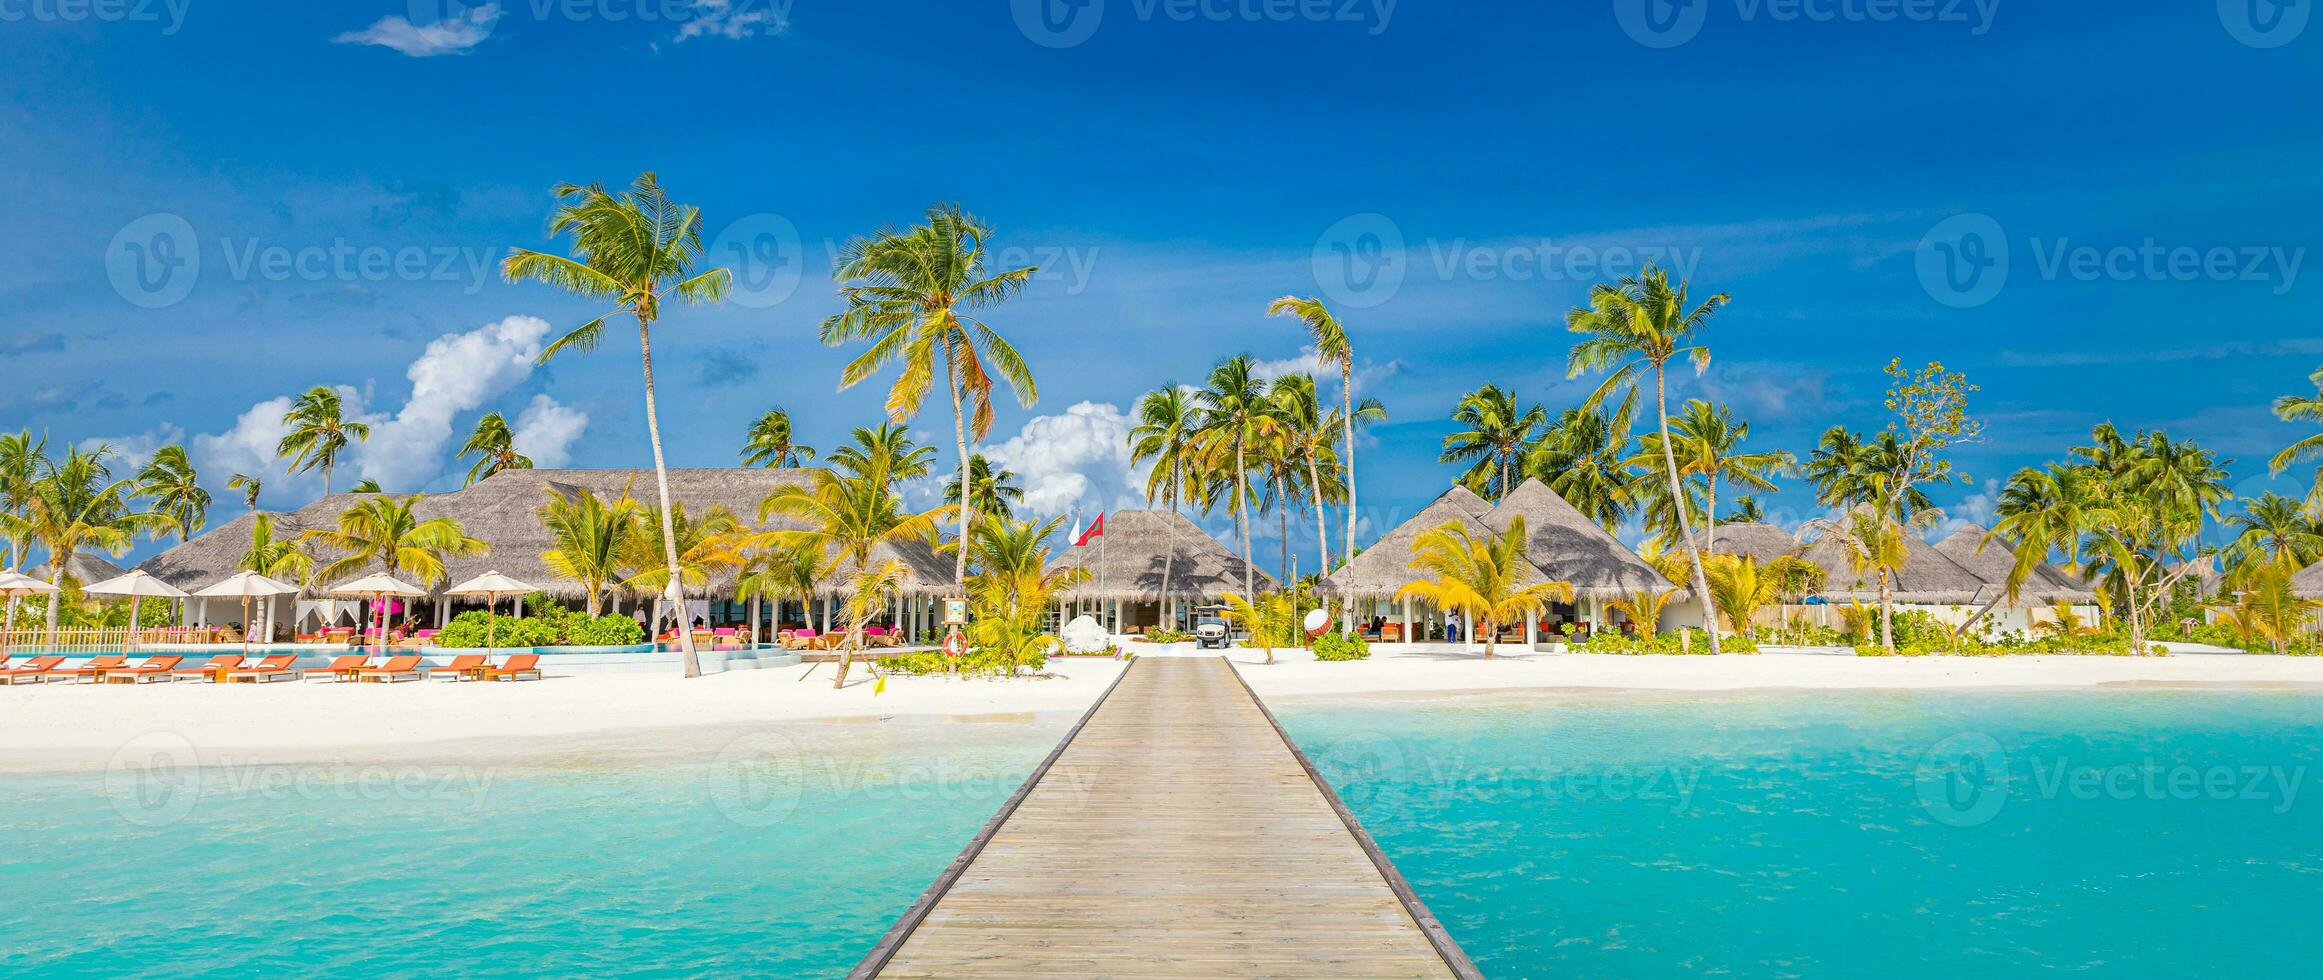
<point>1561,544</point>
<point>1140,551</point>
<point>1928,578</point>
<point>85,569</point>
<point>1760,542</point>
<point>1993,560</point>
<point>503,511</point>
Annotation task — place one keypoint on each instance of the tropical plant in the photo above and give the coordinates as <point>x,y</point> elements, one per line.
<point>2303,408</point>
<point>995,493</point>
<point>22,461</point>
<point>1644,608</point>
<point>1168,423</point>
<point>1493,432</point>
<point>777,574</point>
<point>888,451</point>
<point>366,485</point>
<point>1740,586</point>
<point>494,446</point>
<point>2272,531</point>
<point>594,540</point>
<point>1584,456</point>
<point>76,503</point>
<point>1747,510</point>
<point>1236,416</point>
<point>1709,448</point>
<point>2153,495</point>
<point>708,545</point>
<point>175,490</point>
<point>770,442</point>
<point>914,294</point>
<point>1877,546</point>
<point>1484,578</point>
<point>635,249</point>
<point>319,432</point>
<point>1013,576</point>
<point>2268,609</point>
<point>847,517</point>
<point>281,559</point>
<point>389,533</point>
<point>1266,618</point>
<point>1642,323</point>
<point>1333,346</point>
<point>1310,438</point>
<point>249,485</point>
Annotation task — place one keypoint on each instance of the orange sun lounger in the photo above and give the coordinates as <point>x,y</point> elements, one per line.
<point>211,668</point>
<point>276,667</point>
<point>93,670</point>
<point>403,668</point>
<point>153,670</point>
<point>34,671</point>
<point>521,667</point>
<point>342,668</point>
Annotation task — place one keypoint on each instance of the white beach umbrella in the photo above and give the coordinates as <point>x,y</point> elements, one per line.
<point>491,585</point>
<point>245,586</point>
<point>15,585</point>
<point>136,585</point>
<point>378,588</point>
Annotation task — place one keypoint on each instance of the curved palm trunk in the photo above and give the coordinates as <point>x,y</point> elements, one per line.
<point>669,534</point>
<point>967,489</point>
<point>1887,620</point>
<point>56,577</point>
<point>1242,527</point>
<point>1710,517</point>
<point>1347,420</point>
<point>1322,530</point>
<point>1172,560</point>
<point>1678,503</point>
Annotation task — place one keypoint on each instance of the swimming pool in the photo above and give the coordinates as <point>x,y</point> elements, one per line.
<point>775,851</point>
<point>1948,835</point>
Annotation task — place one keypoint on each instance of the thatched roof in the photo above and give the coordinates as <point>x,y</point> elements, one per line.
<point>84,569</point>
<point>1927,578</point>
<point>1566,546</point>
<point>1385,567</point>
<point>503,511</point>
<point>1995,561</point>
<point>1763,542</point>
<point>1139,545</point>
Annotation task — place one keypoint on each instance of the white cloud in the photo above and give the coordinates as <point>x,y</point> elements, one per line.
<point>455,34</point>
<point>1325,372</point>
<point>457,373</point>
<point>1979,508</point>
<point>1077,460</point>
<point>546,431</point>
<point>734,20</point>
<point>131,453</point>
<point>248,447</point>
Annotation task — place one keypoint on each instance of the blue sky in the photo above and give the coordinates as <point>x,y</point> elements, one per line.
<point>343,171</point>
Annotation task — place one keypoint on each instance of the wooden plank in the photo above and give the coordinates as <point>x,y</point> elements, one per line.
<point>1176,831</point>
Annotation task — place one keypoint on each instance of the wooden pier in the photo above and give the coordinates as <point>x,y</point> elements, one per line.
<point>1176,831</point>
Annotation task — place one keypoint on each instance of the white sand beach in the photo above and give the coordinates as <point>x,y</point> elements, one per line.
<point>73,727</point>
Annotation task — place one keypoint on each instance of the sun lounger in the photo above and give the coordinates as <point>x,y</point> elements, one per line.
<point>401,668</point>
<point>462,667</point>
<point>276,667</point>
<point>33,671</point>
<point>800,640</point>
<point>211,668</point>
<point>93,670</point>
<point>341,668</point>
<point>153,670</point>
<point>521,667</point>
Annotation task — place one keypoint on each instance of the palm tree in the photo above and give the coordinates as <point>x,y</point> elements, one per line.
<point>169,481</point>
<point>1584,456</point>
<point>1482,577</point>
<point>1495,432</point>
<point>1332,345</point>
<point>2268,608</point>
<point>249,485</point>
<point>1643,321</point>
<point>389,533</point>
<point>1644,608</point>
<point>2302,408</point>
<point>1746,511</point>
<point>1013,578</point>
<point>706,546</point>
<point>76,503</point>
<point>366,485</point>
<point>635,249</point>
<point>319,431</point>
<point>22,460</point>
<point>280,559</point>
<point>594,540</point>
<point>777,574</point>
<point>494,446</point>
<point>1877,546</point>
<point>2272,531</point>
<point>1235,417</point>
<point>887,452</point>
<point>1168,424</point>
<point>1740,585</point>
<point>996,493</point>
<point>848,516</point>
<point>769,443</point>
<point>1709,446</point>
<point>1313,438</point>
<point>912,293</point>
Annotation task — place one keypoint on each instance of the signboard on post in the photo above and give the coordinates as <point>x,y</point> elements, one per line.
<point>955,617</point>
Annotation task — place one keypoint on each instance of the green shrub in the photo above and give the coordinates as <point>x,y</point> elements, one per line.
<point>1336,647</point>
<point>1680,641</point>
<point>604,631</point>
<point>467,631</point>
<point>1167,636</point>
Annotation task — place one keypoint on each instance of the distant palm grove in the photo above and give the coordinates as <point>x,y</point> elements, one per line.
<point>2144,520</point>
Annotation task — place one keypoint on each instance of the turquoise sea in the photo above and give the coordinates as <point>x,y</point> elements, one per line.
<point>1945,835</point>
<point>2147,833</point>
<point>781,852</point>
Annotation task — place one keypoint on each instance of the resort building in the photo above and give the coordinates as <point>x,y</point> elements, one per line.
<point>1561,544</point>
<point>82,570</point>
<point>1950,580</point>
<point>1150,570</point>
<point>503,511</point>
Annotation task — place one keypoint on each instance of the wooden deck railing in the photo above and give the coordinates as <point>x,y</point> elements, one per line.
<point>68,642</point>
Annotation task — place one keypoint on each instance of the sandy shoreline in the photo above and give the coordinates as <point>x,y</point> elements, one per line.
<point>592,718</point>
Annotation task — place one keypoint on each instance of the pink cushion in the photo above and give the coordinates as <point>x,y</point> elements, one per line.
<point>721,632</point>
<point>806,633</point>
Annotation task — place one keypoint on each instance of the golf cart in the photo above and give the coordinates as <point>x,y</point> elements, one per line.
<point>1210,630</point>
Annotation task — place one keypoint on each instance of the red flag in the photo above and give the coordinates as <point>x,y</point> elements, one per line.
<point>1096,530</point>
